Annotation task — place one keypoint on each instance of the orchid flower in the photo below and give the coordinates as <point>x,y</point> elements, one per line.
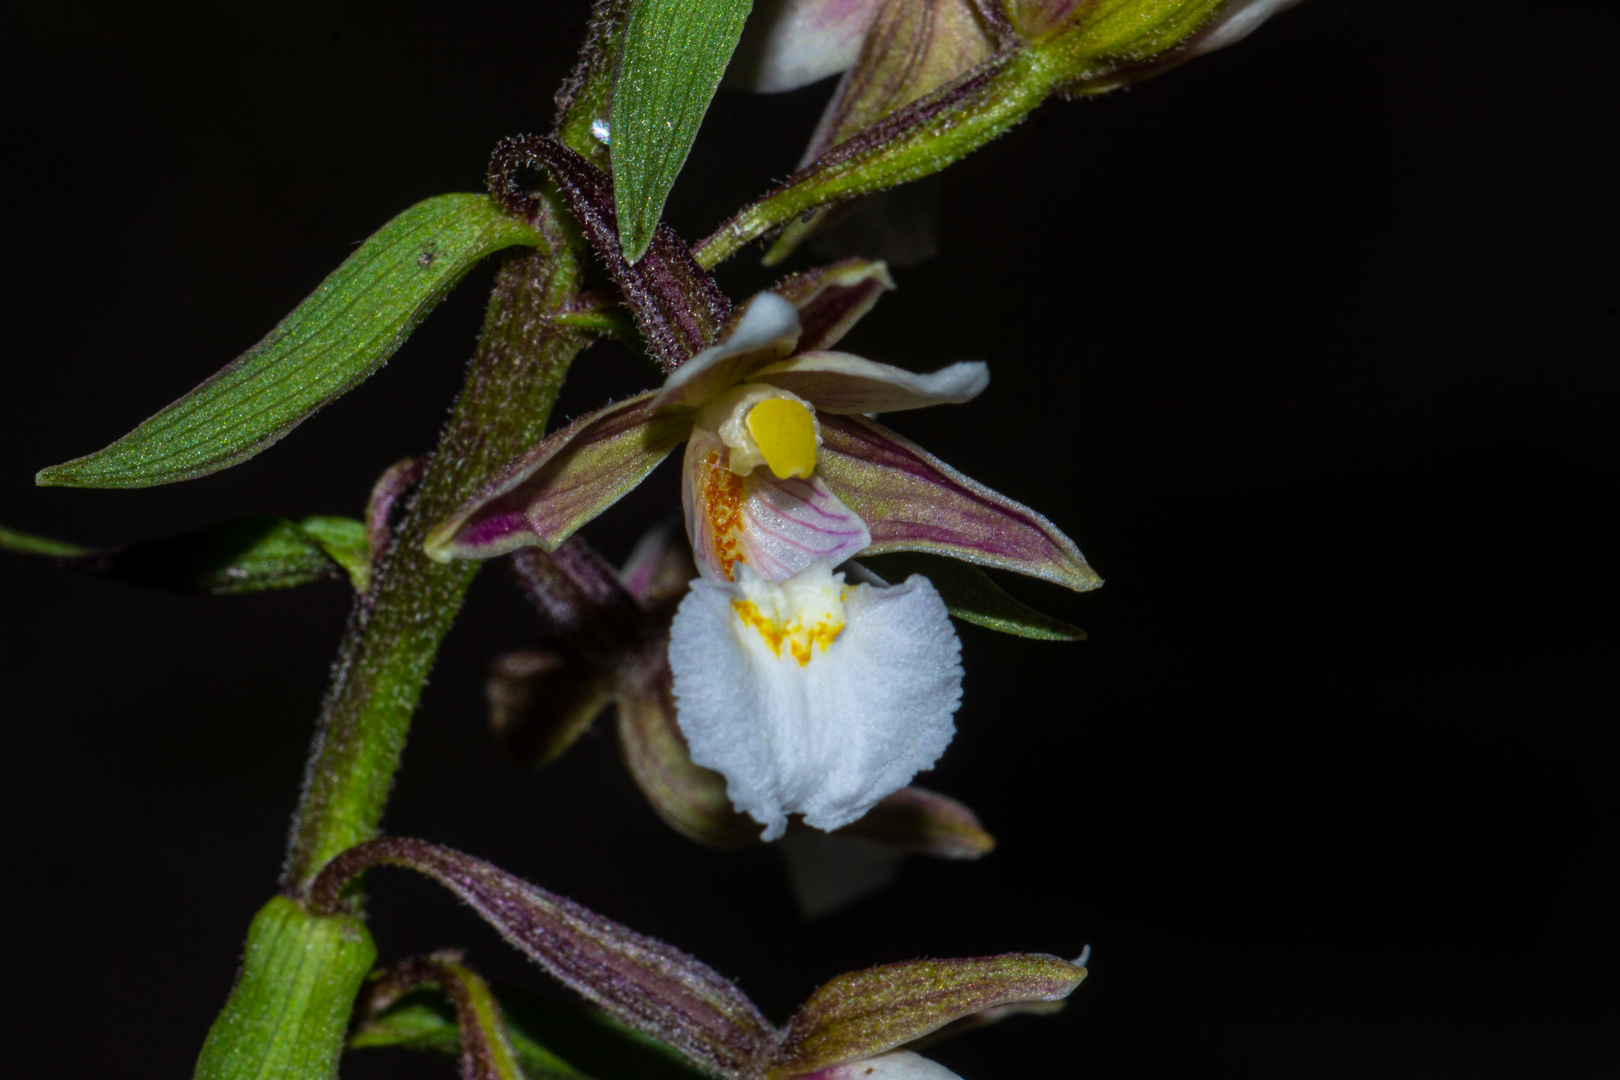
<point>809,693</point>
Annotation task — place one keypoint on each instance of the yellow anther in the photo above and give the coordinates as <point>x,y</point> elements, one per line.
<point>786,434</point>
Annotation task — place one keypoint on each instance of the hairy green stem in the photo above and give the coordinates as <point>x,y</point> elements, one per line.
<point>522,357</point>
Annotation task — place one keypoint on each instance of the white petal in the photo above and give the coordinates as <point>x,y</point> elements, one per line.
<point>792,43</point>
<point>776,527</point>
<point>768,330</point>
<point>1237,22</point>
<point>837,382</point>
<point>832,735</point>
<point>895,1065</point>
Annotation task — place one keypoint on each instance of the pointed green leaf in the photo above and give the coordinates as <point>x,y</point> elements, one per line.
<point>251,554</point>
<point>971,596</point>
<point>670,64</point>
<point>287,1017</point>
<point>337,337</point>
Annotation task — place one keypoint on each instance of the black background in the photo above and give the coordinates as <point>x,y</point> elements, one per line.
<point>1310,345</point>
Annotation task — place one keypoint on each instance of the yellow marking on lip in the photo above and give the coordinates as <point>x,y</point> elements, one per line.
<point>800,639</point>
<point>786,434</point>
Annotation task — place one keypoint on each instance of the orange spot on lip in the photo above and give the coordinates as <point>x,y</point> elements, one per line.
<point>723,492</point>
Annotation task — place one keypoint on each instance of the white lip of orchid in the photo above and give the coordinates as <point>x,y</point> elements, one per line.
<point>727,416</point>
<point>810,696</point>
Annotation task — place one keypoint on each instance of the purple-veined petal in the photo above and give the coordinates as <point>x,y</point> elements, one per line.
<point>831,299</point>
<point>787,44</point>
<point>896,1065</point>
<point>567,479</point>
<point>864,1013</point>
<point>777,527</point>
<point>912,501</point>
<point>767,330</point>
<point>640,981</point>
<point>839,382</point>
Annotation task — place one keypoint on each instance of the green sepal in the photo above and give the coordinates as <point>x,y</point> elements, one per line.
<point>251,554</point>
<point>670,64</point>
<point>972,596</point>
<point>341,334</point>
<point>540,1030</point>
<point>288,1015</point>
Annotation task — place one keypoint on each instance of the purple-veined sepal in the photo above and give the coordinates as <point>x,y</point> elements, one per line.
<point>567,479</point>
<point>831,299</point>
<point>640,981</point>
<point>912,501</point>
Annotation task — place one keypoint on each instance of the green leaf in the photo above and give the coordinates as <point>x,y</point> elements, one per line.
<point>344,331</point>
<point>673,56</point>
<point>287,1017</point>
<point>971,596</point>
<point>251,554</point>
